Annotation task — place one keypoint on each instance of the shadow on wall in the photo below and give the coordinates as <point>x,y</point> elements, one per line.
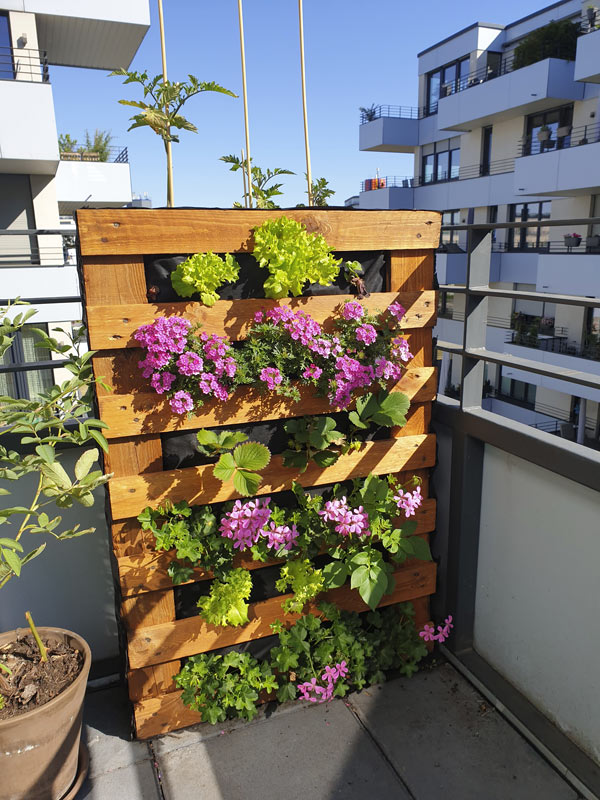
<point>70,584</point>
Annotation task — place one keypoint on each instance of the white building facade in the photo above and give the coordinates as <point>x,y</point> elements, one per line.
<point>504,134</point>
<point>40,187</point>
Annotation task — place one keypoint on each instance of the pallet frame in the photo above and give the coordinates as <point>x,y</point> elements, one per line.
<point>113,243</point>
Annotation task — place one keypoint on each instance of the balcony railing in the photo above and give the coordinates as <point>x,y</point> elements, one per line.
<point>478,76</point>
<point>591,23</point>
<point>463,173</point>
<point>572,137</point>
<point>28,248</point>
<point>399,112</point>
<point>590,245</point>
<point>557,344</point>
<point>115,155</point>
<point>21,64</point>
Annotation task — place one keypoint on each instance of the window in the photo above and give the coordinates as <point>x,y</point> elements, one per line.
<point>450,218</point>
<point>518,391</point>
<point>486,150</point>
<point>26,383</point>
<point>446,305</point>
<point>549,130</point>
<point>445,81</point>
<point>443,164</point>
<point>529,238</point>
<point>7,72</point>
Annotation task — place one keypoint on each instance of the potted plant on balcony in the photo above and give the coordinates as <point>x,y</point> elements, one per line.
<point>564,130</point>
<point>43,674</point>
<point>572,240</point>
<point>544,133</point>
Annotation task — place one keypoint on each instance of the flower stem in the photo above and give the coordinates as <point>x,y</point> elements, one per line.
<point>36,636</point>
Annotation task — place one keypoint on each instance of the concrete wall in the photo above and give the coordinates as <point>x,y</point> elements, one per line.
<point>556,359</point>
<point>559,171</point>
<point>389,134</point>
<point>29,144</point>
<point>95,183</point>
<point>587,65</point>
<point>70,584</point>
<point>537,602</point>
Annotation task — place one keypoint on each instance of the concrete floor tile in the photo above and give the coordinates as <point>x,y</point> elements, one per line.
<point>445,740</point>
<point>319,753</point>
<point>136,782</point>
<point>106,731</point>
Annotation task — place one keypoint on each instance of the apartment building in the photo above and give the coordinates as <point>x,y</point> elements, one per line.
<point>503,133</point>
<point>40,187</point>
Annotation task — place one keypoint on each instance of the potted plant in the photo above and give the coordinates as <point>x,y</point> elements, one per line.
<point>572,239</point>
<point>544,133</point>
<point>368,114</point>
<point>593,241</point>
<point>41,696</point>
<point>564,130</point>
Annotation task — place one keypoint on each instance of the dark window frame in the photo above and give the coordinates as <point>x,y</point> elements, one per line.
<point>15,355</point>
<point>522,233</point>
<point>431,104</point>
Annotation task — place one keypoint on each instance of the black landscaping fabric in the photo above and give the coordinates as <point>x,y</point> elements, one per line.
<point>158,269</point>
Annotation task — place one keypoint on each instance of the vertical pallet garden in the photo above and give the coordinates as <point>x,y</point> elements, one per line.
<point>113,246</point>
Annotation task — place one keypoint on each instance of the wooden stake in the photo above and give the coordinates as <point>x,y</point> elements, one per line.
<point>170,196</point>
<point>303,73</point>
<point>244,179</point>
<point>245,93</point>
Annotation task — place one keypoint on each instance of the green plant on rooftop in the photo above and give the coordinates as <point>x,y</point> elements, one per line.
<point>262,193</point>
<point>159,110</point>
<point>557,39</point>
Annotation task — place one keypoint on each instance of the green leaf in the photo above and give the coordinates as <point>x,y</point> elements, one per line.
<point>3,491</point>
<point>359,576</point>
<point>420,548</point>
<point>246,483</point>
<point>84,463</point>
<point>325,458</point>
<point>12,559</point>
<point>100,439</point>
<point>45,452</point>
<point>251,456</point>
<point>225,467</point>
<point>373,587</point>
<point>230,439</point>
<point>56,473</point>
<point>11,544</point>
<point>356,420</point>
<point>334,574</point>
<point>206,437</point>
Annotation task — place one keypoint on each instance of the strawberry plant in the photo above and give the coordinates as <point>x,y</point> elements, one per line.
<point>242,465</point>
<point>384,409</point>
<point>312,439</point>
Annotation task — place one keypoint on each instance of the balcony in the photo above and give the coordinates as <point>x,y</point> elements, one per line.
<point>83,179</point>
<point>564,274</point>
<point>29,144</point>
<point>561,165</point>
<point>524,91</point>
<point>85,34</point>
<point>587,62</point>
<point>392,129</point>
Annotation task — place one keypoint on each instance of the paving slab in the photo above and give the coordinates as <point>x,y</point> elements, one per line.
<point>445,740</point>
<point>318,752</point>
<point>107,731</point>
<point>135,782</point>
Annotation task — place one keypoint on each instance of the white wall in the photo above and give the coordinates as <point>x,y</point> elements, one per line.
<point>70,584</point>
<point>537,602</point>
<point>29,143</point>
<point>96,183</point>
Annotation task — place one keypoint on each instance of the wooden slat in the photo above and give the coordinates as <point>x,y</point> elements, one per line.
<point>138,413</point>
<point>185,637</point>
<point>114,280</point>
<point>121,231</point>
<point>197,485</point>
<point>113,326</point>
<point>147,572</point>
<point>411,271</point>
<point>158,715</point>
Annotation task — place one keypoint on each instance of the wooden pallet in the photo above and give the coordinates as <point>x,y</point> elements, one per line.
<point>113,243</point>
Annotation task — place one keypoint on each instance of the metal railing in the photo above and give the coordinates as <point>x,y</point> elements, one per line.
<point>591,22</point>
<point>558,343</point>
<point>588,245</point>
<point>22,64</point>
<point>115,155</point>
<point>572,137</point>
<point>499,167</point>
<point>478,76</point>
<point>26,248</point>
<point>398,112</point>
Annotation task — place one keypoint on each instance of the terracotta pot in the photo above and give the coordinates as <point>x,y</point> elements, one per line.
<point>39,749</point>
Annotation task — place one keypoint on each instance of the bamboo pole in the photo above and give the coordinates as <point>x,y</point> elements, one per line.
<point>170,197</point>
<point>245,93</point>
<point>244,179</point>
<point>303,74</point>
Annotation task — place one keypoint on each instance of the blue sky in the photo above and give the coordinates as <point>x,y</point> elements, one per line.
<point>358,52</point>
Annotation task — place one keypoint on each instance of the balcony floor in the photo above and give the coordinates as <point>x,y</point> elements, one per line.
<point>422,738</point>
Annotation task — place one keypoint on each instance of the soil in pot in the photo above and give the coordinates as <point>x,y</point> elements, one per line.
<point>33,683</point>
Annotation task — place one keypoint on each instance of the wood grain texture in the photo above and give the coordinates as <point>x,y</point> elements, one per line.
<point>113,326</point>
<point>147,572</point>
<point>114,280</point>
<point>411,272</point>
<point>197,485</point>
<point>158,715</point>
<point>185,637</point>
<point>134,414</point>
<point>122,231</point>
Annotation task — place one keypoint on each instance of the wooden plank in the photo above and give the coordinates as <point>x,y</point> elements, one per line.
<point>411,271</point>
<point>133,414</point>
<point>197,485</point>
<point>147,572</point>
<point>114,280</point>
<point>185,637</point>
<point>147,231</point>
<point>159,715</point>
<point>113,326</point>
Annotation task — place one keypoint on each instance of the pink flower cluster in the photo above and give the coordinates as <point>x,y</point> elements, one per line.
<point>387,369</point>
<point>350,375</point>
<point>315,693</point>
<point>246,522</point>
<point>366,334</point>
<point>271,376</point>
<point>400,349</point>
<point>348,521</point>
<point>397,310</point>
<point>429,635</point>
<point>353,310</point>
<point>300,325</point>
<point>312,372</point>
<point>409,501</point>
<point>162,339</point>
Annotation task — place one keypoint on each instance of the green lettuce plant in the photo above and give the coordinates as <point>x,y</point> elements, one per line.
<point>44,424</point>
<point>203,274</point>
<point>293,257</point>
<point>304,580</point>
<point>226,604</point>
